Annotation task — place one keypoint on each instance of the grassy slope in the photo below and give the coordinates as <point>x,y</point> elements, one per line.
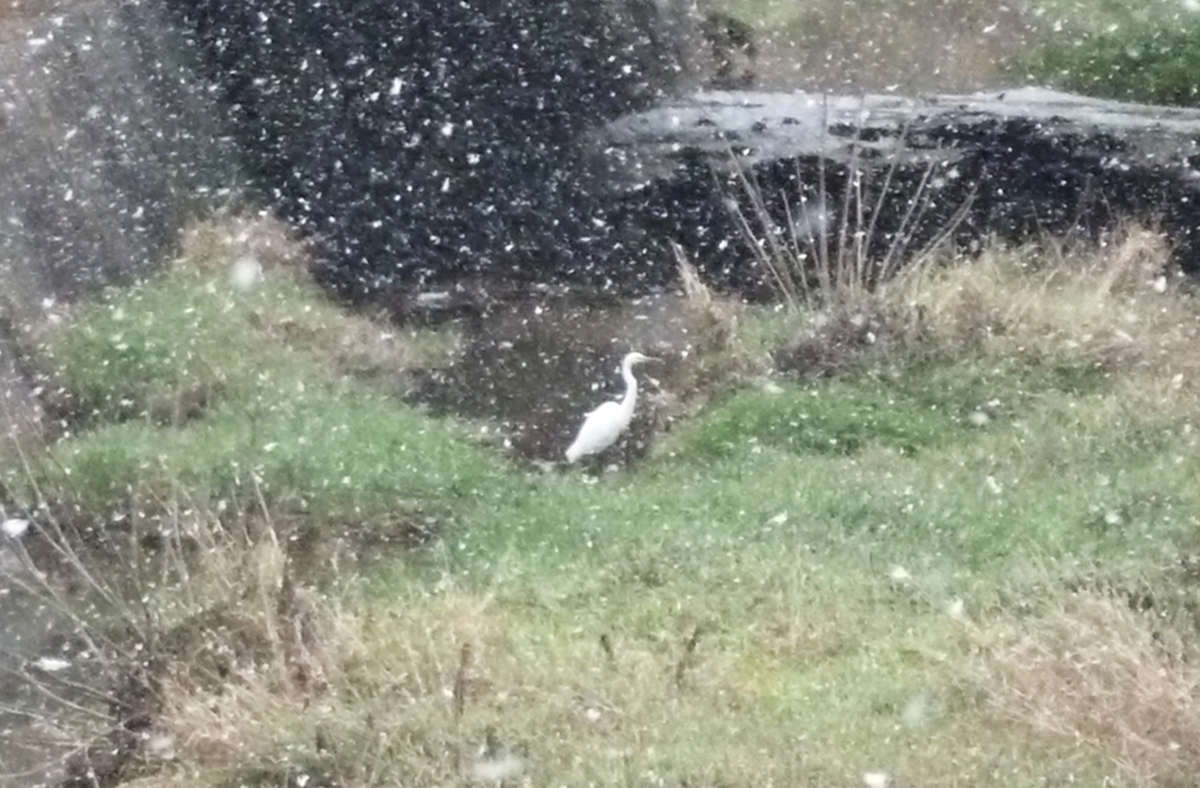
<point>1142,52</point>
<point>822,585</point>
<point>895,570</point>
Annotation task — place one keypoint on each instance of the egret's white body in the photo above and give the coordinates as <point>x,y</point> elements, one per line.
<point>604,425</point>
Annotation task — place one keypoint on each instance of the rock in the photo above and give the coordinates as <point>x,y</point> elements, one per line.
<point>1012,164</point>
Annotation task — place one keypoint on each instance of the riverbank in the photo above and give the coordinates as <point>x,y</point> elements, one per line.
<point>946,535</point>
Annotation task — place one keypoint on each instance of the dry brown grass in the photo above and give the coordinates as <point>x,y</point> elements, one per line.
<point>711,320</point>
<point>416,694</point>
<point>873,45</point>
<point>208,601</point>
<point>713,357</point>
<point>244,248</point>
<point>394,698</point>
<point>363,346</point>
<point>216,244</point>
<point>1117,305</point>
<point>1101,676</point>
<point>1120,307</point>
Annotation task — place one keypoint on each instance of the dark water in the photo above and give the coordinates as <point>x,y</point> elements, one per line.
<point>536,367</point>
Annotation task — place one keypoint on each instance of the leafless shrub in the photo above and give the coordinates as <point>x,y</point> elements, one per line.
<point>825,252</point>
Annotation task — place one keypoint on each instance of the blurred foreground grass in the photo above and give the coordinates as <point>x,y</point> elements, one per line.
<point>968,558</point>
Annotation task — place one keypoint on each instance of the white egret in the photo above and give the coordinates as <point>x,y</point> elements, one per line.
<point>604,425</point>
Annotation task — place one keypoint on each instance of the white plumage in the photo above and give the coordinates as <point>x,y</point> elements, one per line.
<point>604,425</point>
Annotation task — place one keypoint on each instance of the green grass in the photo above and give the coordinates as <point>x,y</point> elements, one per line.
<point>1152,62</point>
<point>1140,52</point>
<point>819,658</point>
<point>184,384</point>
<point>1106,14</point>
<point>806,582</point>
<point>906,409</point>
<point>1036,486</point>
<point>322,450</point>
<point>171,334</point>
<point>1090,14</point>
<point>185,340</point>
<point>1143,52</point>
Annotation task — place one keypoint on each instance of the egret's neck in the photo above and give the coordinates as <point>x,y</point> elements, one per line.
<point>630,397</point>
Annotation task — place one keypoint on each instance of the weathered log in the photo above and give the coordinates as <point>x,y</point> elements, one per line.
<point>1010,164</point>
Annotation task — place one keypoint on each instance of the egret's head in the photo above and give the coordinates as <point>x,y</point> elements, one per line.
<point>638,358</point>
